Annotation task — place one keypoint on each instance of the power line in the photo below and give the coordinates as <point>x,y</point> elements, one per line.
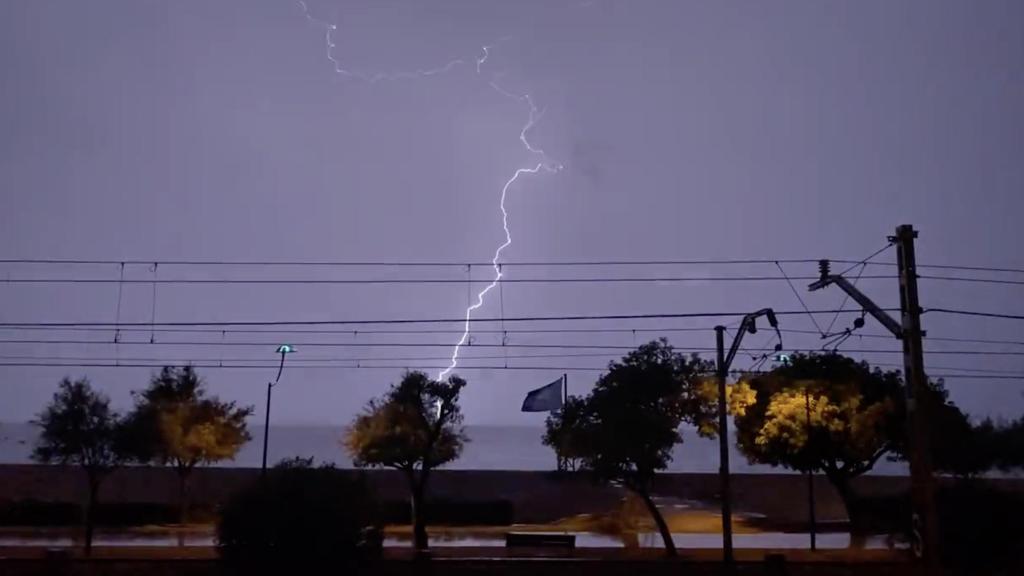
<point>215,366</point>
<point>361,281</point>
<point>510,331</point>
<point>212,366</point>
<point>868,259</point>
<point>273,363</point>
<point>439,264</point>
<point>695,349</point>
<point>974,313</point>
<point>974,280</point>
<point>800,299</point>
<point>407,264</point>
<point>411,320</point>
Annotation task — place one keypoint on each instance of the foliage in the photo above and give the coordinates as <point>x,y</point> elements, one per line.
<point>633,415</point>
<point>560,432</point>
<point>1008,440</point>
<point>854,415</point>
<point>626,428</point>
<point>298,516</point>
<point>415,427</point>
<point>857,416</point>
<point>958,447</point>
<point>78,428</point>
<point>175,423</point>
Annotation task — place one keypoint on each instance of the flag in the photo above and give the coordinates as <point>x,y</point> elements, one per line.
<point>545,399</point>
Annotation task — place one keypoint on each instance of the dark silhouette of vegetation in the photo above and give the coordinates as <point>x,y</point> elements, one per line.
<point>560,433</point>
<point>78,428</point>
<point>958,447</point>
<point>299,517</point>
<point>1007,441</point>
<point>625,429</point>
<point>980,529</point>
<point>414,428</point>
<point>175,423</point>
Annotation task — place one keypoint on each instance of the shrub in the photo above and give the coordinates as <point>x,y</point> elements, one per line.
<point>980,529</point>
<point>298,515</point>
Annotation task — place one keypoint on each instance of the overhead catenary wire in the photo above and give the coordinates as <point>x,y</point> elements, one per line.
<point>429,331</point>
<point>371,281</point>
<point>800,298</point>
<point>458,264</point>
<point>569,318</point>
<point>559,368</point>
<point>621,348</point>
<point>974,313</point>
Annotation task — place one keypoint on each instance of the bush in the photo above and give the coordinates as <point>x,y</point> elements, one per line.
<point>452,512</point>
<point>298,515</point>
<point>39,513</point>
<point>980,529</point>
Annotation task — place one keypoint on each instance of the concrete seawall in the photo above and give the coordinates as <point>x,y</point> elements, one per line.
<point>535,496</point>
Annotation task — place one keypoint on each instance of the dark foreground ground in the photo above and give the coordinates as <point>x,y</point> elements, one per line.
<point>481,561</point>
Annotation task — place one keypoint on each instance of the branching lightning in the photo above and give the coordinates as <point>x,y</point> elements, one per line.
<point>542,165</point>
<point>534,115</point>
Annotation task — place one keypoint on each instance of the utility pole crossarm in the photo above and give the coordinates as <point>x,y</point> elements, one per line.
<point>866,303</point>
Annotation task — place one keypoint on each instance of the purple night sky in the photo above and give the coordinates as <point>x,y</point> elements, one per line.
<point>197,130</point>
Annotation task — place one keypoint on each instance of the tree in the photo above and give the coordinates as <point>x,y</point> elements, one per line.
<point>957,446</point>
<point>175,423</point>
<point>1009,442</point>
<point>857,416</point>
<point>79,428</point>
<point>415,427</point>
<point>627,426</point>
<point>560,432</point>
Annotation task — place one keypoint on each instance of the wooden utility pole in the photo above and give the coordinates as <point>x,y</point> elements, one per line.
<point>924,521</point>
<point>723,448</point>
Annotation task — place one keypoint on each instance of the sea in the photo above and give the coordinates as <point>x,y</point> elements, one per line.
<point>489,448</point>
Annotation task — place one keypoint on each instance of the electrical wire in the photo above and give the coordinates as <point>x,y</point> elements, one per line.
<point>974,313</point>
<point>581,317</point>
<point>439,264</point>
<point>362,281</point>
<point>800,299</point>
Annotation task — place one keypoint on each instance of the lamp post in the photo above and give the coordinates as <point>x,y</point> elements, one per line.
<point>748,325</point>
<point>283,350</point>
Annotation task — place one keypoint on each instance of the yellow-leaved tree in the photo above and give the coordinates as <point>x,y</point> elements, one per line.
<point>175,423</point>
<point>823,413</point>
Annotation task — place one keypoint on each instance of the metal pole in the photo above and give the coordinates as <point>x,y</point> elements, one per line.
<point>266,429</point>
<point>925,520</point>
<point>723,449</point>
<point>810,476</point>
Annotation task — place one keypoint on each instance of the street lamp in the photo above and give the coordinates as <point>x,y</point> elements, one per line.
<point>283,350</point>
<point>748,325</point>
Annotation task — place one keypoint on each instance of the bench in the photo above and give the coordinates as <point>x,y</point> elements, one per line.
<point>540,540</point>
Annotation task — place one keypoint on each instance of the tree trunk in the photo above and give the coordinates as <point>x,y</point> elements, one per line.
<point>666,534</point>
<point>419,521</point>
<point>853,510</point>
<point>90,511</point>
<point>183,474</point>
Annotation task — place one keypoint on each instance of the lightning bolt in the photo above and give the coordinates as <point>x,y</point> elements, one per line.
<point>543,165</point>
<point>534,115</point>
